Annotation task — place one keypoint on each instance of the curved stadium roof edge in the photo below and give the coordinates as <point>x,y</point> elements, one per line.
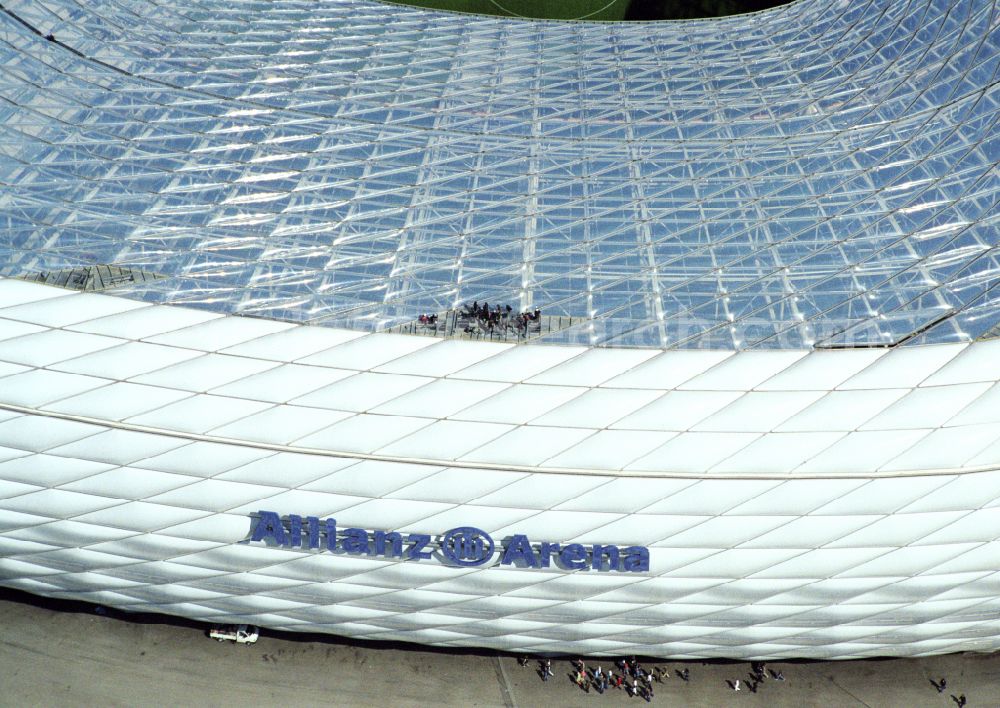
<point>472,405</point>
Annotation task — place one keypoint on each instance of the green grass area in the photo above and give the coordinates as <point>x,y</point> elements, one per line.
<point>594,10</point>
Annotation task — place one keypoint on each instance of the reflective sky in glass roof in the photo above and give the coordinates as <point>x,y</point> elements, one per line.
<point>820,174</point>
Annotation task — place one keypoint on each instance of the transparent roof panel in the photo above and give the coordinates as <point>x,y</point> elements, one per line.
<point>822,174</point>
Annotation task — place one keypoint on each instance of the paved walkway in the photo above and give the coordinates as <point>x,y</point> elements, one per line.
<point>59,658</point>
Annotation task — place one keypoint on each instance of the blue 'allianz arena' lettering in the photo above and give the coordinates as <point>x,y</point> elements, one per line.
<point>463,546</point>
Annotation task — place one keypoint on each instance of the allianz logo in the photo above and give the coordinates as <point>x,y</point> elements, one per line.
<point>462,546</point>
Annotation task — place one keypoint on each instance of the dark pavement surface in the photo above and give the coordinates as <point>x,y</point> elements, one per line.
<point>51,657</point>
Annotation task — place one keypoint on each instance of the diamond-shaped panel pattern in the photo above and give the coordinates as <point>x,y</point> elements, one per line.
<point>147,510</point>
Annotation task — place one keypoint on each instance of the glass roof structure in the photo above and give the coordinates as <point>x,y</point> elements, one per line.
<point>823,174</point>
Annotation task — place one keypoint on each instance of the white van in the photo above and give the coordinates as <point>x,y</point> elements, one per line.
<point>239,633</point>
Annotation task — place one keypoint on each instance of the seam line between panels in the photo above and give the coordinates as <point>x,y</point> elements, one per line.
<point>461,464</point>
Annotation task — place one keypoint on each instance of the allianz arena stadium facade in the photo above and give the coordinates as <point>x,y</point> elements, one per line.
<point>757,415</point>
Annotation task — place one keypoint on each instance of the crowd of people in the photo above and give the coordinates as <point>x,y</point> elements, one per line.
<point>630,676</point>
<point>481,319</point>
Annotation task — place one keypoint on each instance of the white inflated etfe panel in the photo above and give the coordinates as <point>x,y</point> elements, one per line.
<point>882,496</point>
<point>626,495</point>
<point>458,486</point>
<point>205,372</point>
<point>389,513</point>
<point>292,344</point>
<point>677,410</point>
<point>287,470</point>
<point>371,478</point>
<point>777,453</point>
<point>946,447</point>
<point>726,531</point>
<point>927,407</point>
<point>758,411</point>
<point>304,501</point>
<point>220,333</point>
<point>668,370</point>
<point>744,371</point>
<point>904,367</point>
<point>204,459</point>
<point>822,563</point>
<point>859,451</point>
<point>362,392</point>
<point>897,530</point>
<point>842,410</point>
<point>710,497</point>
<point>519,363</point>
<point>822,370</point>
<point>488,518</point>
<point>127,360</point>
<point>369,352</point>
<point>597,408</point>
<point>141,516</point>
<point>52,346</point>
<point>519,404</point>
<point>363,433</point>
<point>11,328</point>
<point>967,527</point>
<point>609,449</point>
<point>978,557</point>
<point>63,532</point>
<point>647,529</point>
<point>16,292</point>
<point>528,445</point>
<point>558,525</point>
<point>44,501</point>
<point>809,531</point>
<point>280,425</point>
<point>212,495</point>
<point>989,456</point>
<point>958,492</point>
<point>199,413</point>
<point>975,363</point>
<point>441,398</point>
<point>446,358</point>
<point>535,492</point>
<point>903,562</point>
<point>39,434</point>
<point>735,563</point>
<point>446,440</point>
<point>796,496</point>
<point>147,322</point>
<point>693,452</point>
<point>593,367</point>
<point>119,447</point>
<point>117,401</point>
<point>49,470</point>
<point>36,387</point>
<point>64,311</point>
<point>129,483</point>
<point>984,409</point>
<point>283,383</point>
